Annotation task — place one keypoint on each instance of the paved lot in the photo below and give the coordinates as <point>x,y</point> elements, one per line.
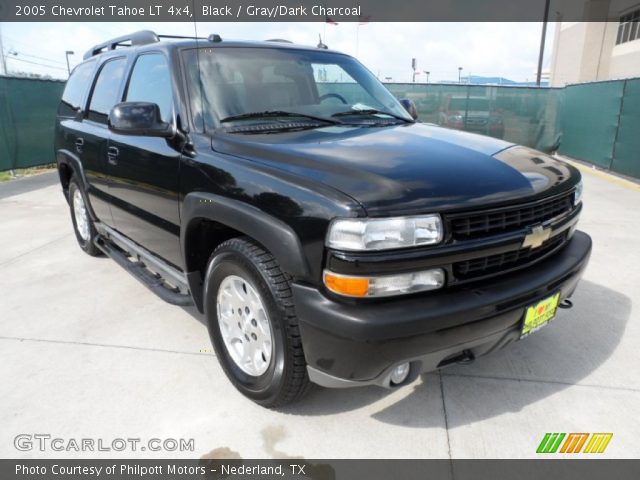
<point>86,351</point>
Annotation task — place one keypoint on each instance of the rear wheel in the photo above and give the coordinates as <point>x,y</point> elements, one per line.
<point>82,223</point>
<point>252,323</point>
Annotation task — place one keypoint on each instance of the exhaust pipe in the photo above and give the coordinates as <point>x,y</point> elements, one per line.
<point>463,358</point>
<point>566,303</point>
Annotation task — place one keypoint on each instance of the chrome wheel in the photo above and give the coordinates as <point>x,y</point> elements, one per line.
<point>81,216</point>
<point>244,325</point>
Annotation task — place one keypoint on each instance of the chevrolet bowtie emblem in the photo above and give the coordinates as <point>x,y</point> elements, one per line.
<point>537,237</point>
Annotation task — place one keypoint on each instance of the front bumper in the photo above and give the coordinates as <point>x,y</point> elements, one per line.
<point>350,343</point>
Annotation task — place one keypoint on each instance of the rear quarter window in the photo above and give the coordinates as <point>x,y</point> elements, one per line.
<point>76,89</point>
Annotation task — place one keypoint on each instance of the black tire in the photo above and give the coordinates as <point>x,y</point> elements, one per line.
<point>285,379</point>
<point>86,244</point>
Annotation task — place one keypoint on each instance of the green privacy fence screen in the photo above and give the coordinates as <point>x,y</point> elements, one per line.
<point>523,115</point>
<point>589,120</point>
<point>27,116</point>
<point>626,149</point>
<point>596,122</point>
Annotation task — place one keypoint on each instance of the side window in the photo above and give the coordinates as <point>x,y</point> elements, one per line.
<point>76,88</point>
<point>151,82</point>
<point>105,92</point>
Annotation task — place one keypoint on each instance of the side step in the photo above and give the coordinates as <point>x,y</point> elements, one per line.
<point>165,281</point>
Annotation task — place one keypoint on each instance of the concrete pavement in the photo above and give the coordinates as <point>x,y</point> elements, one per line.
<point>88,352</point>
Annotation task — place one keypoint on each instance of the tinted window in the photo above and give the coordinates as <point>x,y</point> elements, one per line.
<point>105,92</point>
<point>76,89</point>
<point>150,82</point>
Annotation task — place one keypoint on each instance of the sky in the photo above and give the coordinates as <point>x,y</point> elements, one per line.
<point>508,50</point>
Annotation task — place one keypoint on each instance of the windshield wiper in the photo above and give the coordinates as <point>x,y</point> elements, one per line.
<point>278,113</point>
<point>371,111</point>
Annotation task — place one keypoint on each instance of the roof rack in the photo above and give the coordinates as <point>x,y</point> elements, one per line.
<point>279,40</point>
<point>143,37</point>
<point>181,37</point>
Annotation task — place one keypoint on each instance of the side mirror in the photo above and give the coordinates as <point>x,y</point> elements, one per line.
<point>410,107</point>
<point>139,118</point>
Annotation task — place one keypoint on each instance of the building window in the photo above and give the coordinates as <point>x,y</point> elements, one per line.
<point>629,27</point>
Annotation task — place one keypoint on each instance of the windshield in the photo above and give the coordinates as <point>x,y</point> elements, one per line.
<point>244,81</point>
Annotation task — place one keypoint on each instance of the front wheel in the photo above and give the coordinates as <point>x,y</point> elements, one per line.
<point>252,323</point>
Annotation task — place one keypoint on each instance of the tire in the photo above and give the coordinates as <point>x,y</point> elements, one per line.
<point>82,224</point>
<point>247,270</point>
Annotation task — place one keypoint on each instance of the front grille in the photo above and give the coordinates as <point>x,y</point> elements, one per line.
<point>482,224</point>
<point>492,264</point>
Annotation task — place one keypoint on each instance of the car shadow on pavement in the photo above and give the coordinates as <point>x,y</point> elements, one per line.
<point>561,354</point>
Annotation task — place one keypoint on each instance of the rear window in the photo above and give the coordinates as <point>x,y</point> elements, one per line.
<point>76,89</point>
<point>105,92</point>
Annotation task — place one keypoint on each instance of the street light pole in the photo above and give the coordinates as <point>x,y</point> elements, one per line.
<point>427,76</point>
<point>459,74</point>
<point>542,40</point>
<point>66,54</point>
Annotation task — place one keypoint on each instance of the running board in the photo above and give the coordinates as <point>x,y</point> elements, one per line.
<point>163,280</point>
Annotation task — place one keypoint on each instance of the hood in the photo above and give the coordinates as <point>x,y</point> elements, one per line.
<point>410,168</point>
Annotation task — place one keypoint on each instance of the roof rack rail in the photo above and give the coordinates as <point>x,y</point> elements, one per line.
<point>143,37</point>
<point>279,40</point>
<point>181,37</point>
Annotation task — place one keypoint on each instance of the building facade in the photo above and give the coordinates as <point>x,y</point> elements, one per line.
<point>596,51</point>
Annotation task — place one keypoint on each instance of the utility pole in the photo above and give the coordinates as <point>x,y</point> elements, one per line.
<point>3,61</point>
<point>542,40</point>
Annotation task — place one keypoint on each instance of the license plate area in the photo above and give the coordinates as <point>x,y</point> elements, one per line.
<point>539,314</point>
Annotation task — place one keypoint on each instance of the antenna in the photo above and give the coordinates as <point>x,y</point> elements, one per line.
<point>320,44</point>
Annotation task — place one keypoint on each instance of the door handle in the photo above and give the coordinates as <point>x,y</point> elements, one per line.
<point>79,144</point>
<point>112,155</point>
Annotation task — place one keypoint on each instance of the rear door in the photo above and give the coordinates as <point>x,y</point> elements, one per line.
<point>75,137</point>
<point>93,140</point>
<point>144,189</point>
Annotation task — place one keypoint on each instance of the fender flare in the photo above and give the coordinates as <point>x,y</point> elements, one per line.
<point>276,236</point>
<point>70,159</point>
<point>65,157</point>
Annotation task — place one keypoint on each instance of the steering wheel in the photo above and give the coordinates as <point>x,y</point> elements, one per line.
<point>333,95</point>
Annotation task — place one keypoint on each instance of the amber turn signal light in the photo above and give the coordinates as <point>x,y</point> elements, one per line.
<point>344,285</point>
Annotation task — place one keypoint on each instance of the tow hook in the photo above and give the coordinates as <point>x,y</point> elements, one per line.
<point>566,303</point>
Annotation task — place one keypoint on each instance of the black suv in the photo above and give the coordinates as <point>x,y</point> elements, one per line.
<point>326,235</point>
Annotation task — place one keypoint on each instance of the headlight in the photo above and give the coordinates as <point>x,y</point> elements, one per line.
<point>384,285</point>
<point>455,118</point>
<point>384,233</point>
<point>577,196</point>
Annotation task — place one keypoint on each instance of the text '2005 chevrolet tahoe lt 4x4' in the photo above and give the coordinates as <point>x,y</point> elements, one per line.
<point>327,236</point>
